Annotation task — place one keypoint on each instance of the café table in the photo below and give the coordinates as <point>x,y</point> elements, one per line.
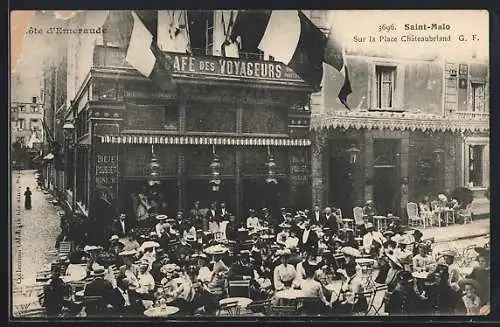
<point>157,312</point>
<point>288,296</point>
<point>420,274</point>
<point>241,303</point>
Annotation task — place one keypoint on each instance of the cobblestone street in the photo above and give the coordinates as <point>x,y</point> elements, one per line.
<point>34,231</point>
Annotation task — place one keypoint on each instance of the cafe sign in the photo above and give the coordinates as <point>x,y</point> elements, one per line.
<point>234,67</point>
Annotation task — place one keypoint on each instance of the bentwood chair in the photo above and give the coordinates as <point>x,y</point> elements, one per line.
<point>413,217</point>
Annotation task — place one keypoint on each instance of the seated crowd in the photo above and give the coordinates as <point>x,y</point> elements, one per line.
<point>312,260</point>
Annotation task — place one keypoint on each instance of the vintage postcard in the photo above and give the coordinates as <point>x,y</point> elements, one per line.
<point>249,163</point>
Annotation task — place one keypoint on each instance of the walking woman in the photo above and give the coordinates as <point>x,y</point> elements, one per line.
<point>27,199</point>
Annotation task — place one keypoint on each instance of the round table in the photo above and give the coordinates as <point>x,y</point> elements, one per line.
<point>289,294</point>
<point>161,312</point>
<point>243,302</point>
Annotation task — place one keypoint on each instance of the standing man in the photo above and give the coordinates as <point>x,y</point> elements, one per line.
<point>121,226</point>
<point>315,216</point>
<point>223,213</point>
<point>27,199</point>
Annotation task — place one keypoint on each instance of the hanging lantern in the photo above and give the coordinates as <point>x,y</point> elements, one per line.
<point>271,171</point>
<point>353,154</point>
<point>154,170</point>
<point>215,180</point>
<point>437,154</point>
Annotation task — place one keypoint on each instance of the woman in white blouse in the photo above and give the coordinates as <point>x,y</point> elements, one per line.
<point>312,288</point>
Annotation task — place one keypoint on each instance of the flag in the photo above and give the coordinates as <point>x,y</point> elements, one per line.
<point>333,55</point>
<point>145,56</point>
<point>249,27</point>
<point>229,48</point>
<point>173,31</point>
<point>282,35</point>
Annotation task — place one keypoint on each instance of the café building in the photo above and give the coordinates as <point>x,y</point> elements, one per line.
<point>250,117</point>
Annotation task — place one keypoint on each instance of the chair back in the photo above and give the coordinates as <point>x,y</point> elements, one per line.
<point>93,304</point>
<point>338,212</point>
<point>65,248</point>
<point>239,288</point>
<point>412,210</point>
<point>358,215</point>
<point>222,229</point>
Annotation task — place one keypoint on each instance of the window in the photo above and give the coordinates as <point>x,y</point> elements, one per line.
<point>477,97</point>
<point>34,124</point>
<point>385,86</point>
<point>21,108</point>
<point>34,108</point>
<point>34,99</point>
<point>21,124</point>
<point>476,165</point>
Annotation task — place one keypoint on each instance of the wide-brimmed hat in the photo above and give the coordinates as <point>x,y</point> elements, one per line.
<point>127,253</point>
<point>449,253</point>
<point>114,238</point>
<point>161,217</point>
<point>369,202</point>
<point>216,249</point>
<point>365,262</point>
<point>469,281</point>
<point>393,258</point>
<point>388,234</point>
<point>98,271</point>
<point>350,251</point>
<point>148,245</point>
<point>91,248</point>
<point>283,253</point>
<point>285,225</point>
<point>244,252</point>
<point>143,263</point>
<point>199,255</point>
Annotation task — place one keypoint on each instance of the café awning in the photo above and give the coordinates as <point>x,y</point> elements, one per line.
<point>203,140</point>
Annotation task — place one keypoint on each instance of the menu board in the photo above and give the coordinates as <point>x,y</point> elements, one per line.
<point>106,174</point>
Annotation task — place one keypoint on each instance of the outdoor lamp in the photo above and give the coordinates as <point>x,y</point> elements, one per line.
<point>215,168</point>
<point>353,154</point>
<point>215,174</point>
<point>154,169</point>
<point>437,153</point>
<point>68,129</point>
<point>271,169</point>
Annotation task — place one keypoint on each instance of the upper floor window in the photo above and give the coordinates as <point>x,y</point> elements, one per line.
<point>34,108</point>
<point>21,124</point>
<point>34,124</point>
<point>21,108</point>
<point>385,78</point>
<point>477,97</point>
<point>108,91</point>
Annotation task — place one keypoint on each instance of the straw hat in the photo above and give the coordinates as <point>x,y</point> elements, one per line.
<point>285,225</point>
<point>148,245</point>
<point>365,262</point>
<point>350,251</point>
<point>469,281</point>
<point>98,271</point>
<point>114,238</point>
<point>449,252</point>
<point>283,253</point>
<point>90,248</point>
<point>161,217</point>
<point>127,253</point>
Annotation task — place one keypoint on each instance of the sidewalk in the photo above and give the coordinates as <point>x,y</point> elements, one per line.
<point>477,228</point>
<point>33,231</point>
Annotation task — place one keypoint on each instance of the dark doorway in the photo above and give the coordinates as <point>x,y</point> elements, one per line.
<point>386,187</point>
<point>341,190</point>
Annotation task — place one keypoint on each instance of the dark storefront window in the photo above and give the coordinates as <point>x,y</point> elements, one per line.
<point>255,159</point>
<point>136,159</point>
<point>210,118</point>
<point>152,117</point>
<point>264,119</point>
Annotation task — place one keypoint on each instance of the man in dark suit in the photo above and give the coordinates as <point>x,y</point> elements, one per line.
<point>121,226</point>
<point>308,239</point>
<point>316,217</point>
<point>223,213</point>
<point>99,287</point>
<point>121,299</point>
<point>330,221</point>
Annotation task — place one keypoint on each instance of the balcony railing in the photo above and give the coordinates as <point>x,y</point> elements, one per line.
<point>470,115</point>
